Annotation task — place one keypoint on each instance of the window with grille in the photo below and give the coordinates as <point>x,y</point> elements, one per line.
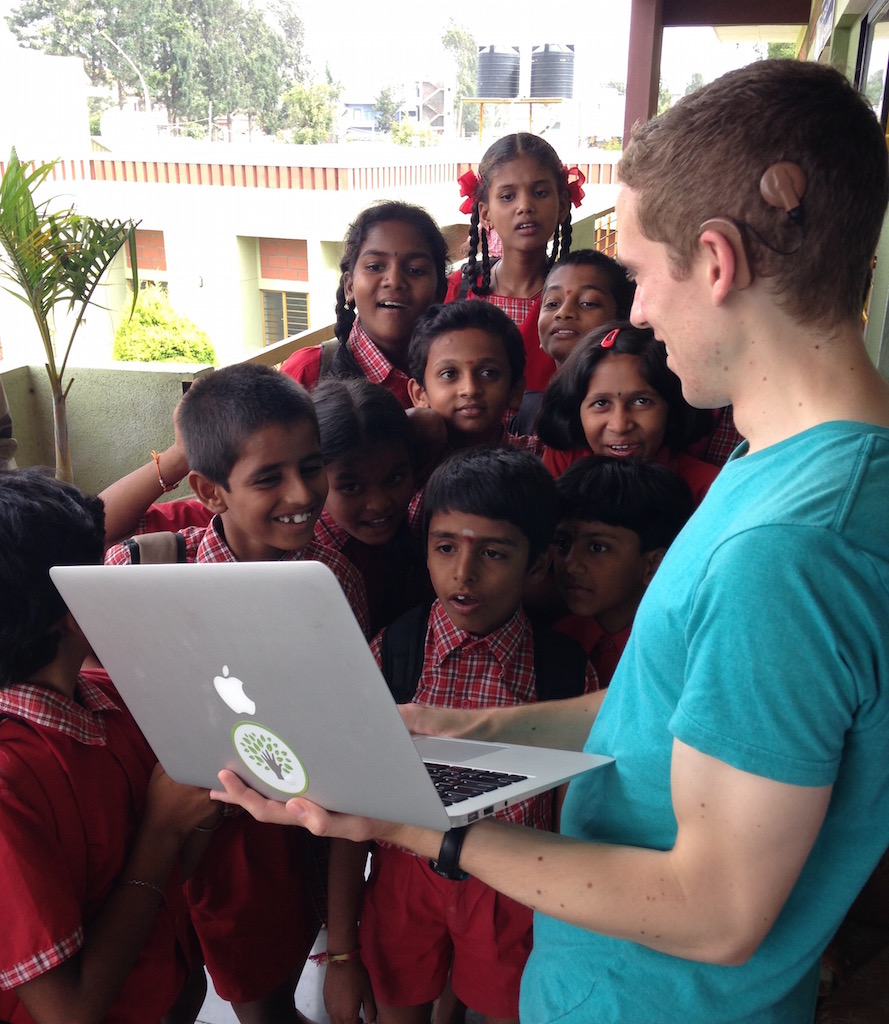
<point>284,314</point>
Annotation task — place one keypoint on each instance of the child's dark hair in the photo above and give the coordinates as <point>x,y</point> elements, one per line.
<point>355,416</point>
<point>466,314</point>
<point>497,483</point>
<point>380,213</point>
<point>558,422</point>
<point>43,522</point>
<point>622,288</point>
<point>220,411</point>
<point>503,151</point>
<point>645,497</point>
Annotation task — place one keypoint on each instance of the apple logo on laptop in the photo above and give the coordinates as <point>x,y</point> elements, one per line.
<point>231,690</point>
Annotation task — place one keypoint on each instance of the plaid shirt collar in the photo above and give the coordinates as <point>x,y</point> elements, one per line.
<point>214,548</point>
<point>502,643</point>
<point>374,365</point>
<point>330,533</point>
<point>81,719</point>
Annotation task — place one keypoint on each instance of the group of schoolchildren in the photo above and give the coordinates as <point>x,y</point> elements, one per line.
<point>514,462</point>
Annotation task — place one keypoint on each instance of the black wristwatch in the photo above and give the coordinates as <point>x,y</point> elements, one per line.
<point>449,855</point>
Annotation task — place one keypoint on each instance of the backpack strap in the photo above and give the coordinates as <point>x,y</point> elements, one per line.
<point>328,351</point>
<point>156,548</point>
<point>401,652</point>
<point>560,664</point>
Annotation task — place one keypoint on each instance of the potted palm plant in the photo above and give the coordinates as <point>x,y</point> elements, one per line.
<point>49,258</point>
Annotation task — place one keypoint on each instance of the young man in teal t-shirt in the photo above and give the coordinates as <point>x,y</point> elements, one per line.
<point>701,877</point>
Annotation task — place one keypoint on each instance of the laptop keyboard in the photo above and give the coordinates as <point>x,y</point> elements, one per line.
<point>454,783</point>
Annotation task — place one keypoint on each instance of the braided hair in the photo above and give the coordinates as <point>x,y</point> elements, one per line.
<point>503,151</point>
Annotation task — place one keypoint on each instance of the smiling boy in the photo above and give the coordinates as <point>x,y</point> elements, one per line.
<point>251,439</point>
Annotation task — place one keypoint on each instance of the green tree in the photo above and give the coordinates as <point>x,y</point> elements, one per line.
<point>191,52</point>
<point>309,112</point>
<point>664,98</point>
<point>697,80</point>
<point>386,110</point>
<point>460,42</point>
<point>51,259</point>
<point>781,51</point>
<point>156,333</point>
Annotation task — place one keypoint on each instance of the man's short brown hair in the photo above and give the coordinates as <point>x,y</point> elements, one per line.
<point>705,156</point>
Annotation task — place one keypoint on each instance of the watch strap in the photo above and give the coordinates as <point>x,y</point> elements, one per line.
<point>447,863</point>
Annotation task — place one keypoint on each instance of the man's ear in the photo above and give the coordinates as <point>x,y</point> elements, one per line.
<point>210,494</point>
<point>417,394</point>
<point>653,559</point>
<point>724,247</point>
<point>348,290</point>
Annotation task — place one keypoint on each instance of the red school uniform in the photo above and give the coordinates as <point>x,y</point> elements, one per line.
<point>416,926</point>
<point>305,365</point>
<point>252,897</point>
<point>73,782</point>
<point>604,649</point>
<point>539,367</point>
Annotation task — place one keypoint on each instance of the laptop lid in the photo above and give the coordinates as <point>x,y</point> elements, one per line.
<point>261,667</point>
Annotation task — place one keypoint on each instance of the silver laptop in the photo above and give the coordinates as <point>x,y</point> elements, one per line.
<point>261,667</point>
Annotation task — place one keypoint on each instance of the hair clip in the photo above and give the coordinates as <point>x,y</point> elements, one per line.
<point>574,179</point>
<point>610,338</point>
<point>468,183</point>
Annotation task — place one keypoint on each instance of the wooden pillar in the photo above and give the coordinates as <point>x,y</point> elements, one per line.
<point>644,62</point>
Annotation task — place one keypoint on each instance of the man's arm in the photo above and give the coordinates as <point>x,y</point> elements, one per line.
<point>741,843</point>
<point>563,724</point>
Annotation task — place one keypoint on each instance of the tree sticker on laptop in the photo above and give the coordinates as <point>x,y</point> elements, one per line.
<point>269,758</point>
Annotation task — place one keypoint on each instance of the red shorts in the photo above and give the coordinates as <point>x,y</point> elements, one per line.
<point>252,907</point>
<point>417,926</point>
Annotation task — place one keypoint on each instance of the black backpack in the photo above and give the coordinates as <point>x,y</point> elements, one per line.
<point>560,663</point>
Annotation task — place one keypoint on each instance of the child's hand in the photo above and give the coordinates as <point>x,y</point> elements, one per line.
<point>175,808</point>
<point>429,439</point>
<point>347,990</point>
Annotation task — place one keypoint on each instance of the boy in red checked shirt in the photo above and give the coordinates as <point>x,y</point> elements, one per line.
<point>490,516</point>
<point>94,837</point>
<point>251,439</point>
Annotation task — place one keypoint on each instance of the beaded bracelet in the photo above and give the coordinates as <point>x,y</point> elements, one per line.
<point>166,488</point>
<point>146,885</point>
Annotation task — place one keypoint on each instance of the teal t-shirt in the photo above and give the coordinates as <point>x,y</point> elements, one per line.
<point>763,641</point>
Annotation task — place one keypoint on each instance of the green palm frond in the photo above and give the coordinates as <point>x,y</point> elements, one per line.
<point>51,258</point>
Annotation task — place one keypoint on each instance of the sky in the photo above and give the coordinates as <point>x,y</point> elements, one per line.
<point>370,46</point>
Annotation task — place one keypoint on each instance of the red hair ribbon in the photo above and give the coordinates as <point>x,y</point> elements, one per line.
<point>610,338</point>
<point>574,179</point>
<point>468,183</point>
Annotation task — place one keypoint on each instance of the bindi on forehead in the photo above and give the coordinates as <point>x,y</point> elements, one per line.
<point>469,534</point>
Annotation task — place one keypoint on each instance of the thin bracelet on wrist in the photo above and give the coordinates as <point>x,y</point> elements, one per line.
<point>141,883</point>
<point>165,487</point>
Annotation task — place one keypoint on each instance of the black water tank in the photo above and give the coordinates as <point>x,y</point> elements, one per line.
<point>498,72</point>
<point>552,71</point>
